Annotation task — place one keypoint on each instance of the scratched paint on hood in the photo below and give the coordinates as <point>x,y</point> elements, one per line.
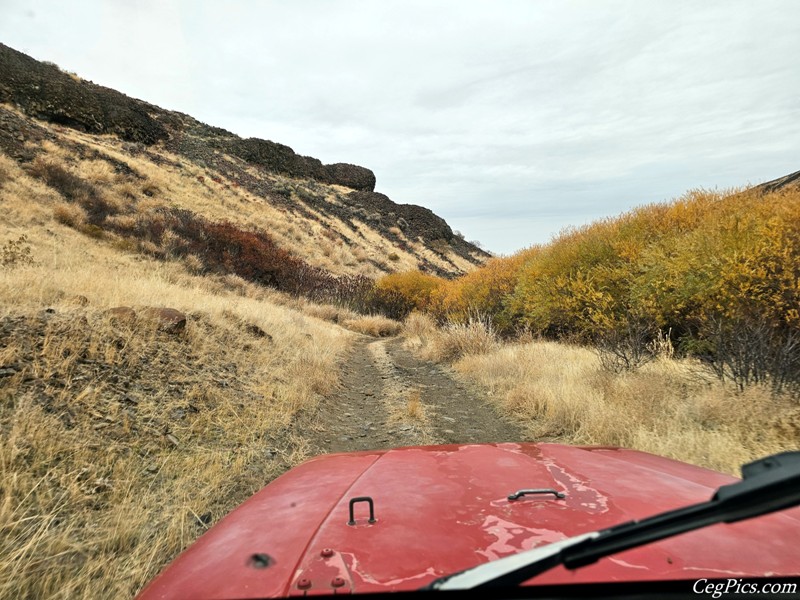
<point>513,537</point>
<point>355,569</point>
<point>577,490</point>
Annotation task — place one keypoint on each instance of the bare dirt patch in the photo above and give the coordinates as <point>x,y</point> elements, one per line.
<point>390,398</point>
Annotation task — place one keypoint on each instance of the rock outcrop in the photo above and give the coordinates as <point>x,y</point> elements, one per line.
<point>167,320</point>
<point>415,221</point>
<point>791,180</point>
<point>352,176</point>
<point>44,91</point>
<point>282,159</point>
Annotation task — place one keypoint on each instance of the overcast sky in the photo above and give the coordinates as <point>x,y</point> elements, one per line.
<point>511,119</point>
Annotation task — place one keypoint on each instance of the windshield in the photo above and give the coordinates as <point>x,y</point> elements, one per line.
<point>479,248</point>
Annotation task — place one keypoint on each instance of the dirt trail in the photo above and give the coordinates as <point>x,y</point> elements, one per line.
<point>390,398</point>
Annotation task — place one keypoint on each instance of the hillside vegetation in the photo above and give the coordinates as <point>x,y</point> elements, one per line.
<point>672,329</point>
<point>561,392</point>
<point>120,441</point>
<point>717,275</point>
<point>132,170</point>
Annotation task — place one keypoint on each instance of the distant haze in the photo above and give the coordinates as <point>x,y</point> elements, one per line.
<point>510,119</point>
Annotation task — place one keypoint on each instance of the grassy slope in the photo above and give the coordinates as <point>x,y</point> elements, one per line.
<point>120,443</point>
<point>162,179</point>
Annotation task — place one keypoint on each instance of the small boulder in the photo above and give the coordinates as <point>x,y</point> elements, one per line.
<point>168,320</point>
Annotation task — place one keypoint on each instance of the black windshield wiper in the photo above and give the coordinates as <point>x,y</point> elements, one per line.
<point>767,485</point>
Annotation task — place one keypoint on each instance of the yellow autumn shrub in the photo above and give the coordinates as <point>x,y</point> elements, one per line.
<point>407,291</point>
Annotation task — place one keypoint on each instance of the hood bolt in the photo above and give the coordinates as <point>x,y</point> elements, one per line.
<point>304,584</point>
<point>326,553</point>
<point>337,582</point>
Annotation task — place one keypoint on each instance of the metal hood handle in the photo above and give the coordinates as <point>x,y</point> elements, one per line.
<point>520,493</point>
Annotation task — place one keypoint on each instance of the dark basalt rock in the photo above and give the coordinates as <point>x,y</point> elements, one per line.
<point>352,176</point>
<point>275,157</point>
<point>43,91</point>
<point>282,159</point>
<point>415,221</point>
<point>19,136</point>
<point>787,181</point>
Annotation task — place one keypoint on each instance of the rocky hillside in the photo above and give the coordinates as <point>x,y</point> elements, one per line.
<point>160,359</point>
<point>328,215</point>
<point>786,182</point>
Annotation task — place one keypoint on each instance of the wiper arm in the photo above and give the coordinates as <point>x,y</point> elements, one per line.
<point>767,485</point>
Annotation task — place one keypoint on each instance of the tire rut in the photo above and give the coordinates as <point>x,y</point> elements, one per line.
<point>389,398</point>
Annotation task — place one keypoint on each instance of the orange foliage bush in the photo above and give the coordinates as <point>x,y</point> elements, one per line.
<point>483,292</point>
<point>720,271</point>
<point>400,293</point>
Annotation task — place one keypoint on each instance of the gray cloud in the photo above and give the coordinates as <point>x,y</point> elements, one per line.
<point>512,119</point>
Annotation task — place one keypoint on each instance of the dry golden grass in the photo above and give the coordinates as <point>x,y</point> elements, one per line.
<point>419,329</point>
<point>326,312</point>
<point>97,475</point>
<point>406,407</point>
<point>68,214</point>
<point>375,325</point>
<point>668,407</point>
<point>176,182</point>
<point>403,403</point>
<point>449,342</point>
<point>414,407</point>
<point>119,444</point>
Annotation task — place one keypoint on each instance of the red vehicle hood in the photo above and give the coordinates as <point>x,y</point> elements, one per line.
<point>442,509</point>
